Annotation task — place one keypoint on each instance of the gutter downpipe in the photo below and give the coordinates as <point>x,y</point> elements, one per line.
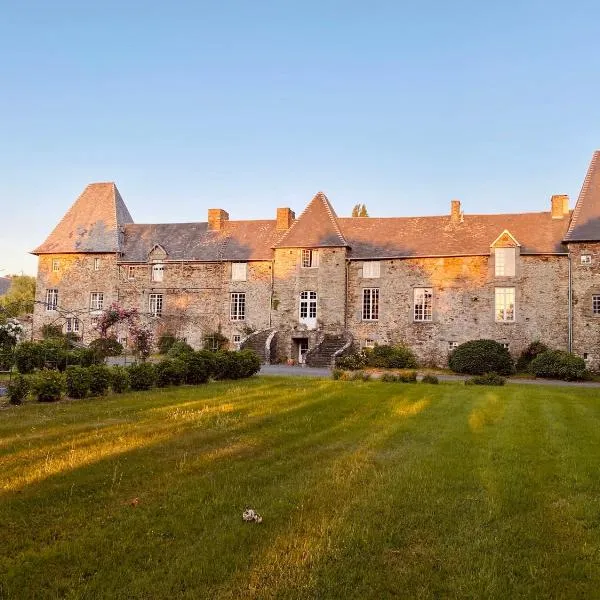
<point>570,311</point>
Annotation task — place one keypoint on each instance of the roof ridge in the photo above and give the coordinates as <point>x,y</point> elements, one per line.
<point>582,194</point>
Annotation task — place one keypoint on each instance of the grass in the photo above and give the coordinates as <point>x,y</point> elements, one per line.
<point>367,490</point>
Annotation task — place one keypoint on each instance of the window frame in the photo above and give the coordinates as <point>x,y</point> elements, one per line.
<point>420,305</point>
<point>72,325</point>
<point>51,299</point>
<point>236,275</point>
<point>156,304</point>
<point>237,306</point>
<point>504,266</point>
<point>373,269</point>
<point>587,261</point>
<point>99,301</point>
<point>130,272</point>
<point>96,263</point>
<point>370,304</point>
<point>499,292</point>
<point>56,265</point>
<point>309,258</point>
<point>596,305</point>
<point>308,302</point>
<point>452,345</point>
<point>158,267</point>
<point>369,343</point>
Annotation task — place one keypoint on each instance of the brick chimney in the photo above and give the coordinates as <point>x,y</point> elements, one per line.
<point>560,206</point>
<point>285,218</point>
<point>455,212</point>
<point>217,218</point>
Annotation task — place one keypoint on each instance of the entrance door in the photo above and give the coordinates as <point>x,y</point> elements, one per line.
<point>302,350</point>
<point>308,309</point>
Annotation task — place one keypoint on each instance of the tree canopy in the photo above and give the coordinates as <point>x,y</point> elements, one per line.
<point>360,210</point>
<point>19,298</point>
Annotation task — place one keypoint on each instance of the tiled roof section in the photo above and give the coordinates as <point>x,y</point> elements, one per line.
<point>585,223</point>
<point>4,285</point>
<point>91,224</point>
<point>373,237</point>
<point>238,240</point>
<point>316,227</point>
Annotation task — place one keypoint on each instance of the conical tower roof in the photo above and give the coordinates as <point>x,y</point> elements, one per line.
<point>91,224</point>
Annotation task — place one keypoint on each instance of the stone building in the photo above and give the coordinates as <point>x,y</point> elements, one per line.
<point>305,288</point>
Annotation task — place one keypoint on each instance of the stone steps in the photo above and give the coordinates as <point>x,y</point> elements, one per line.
<point>322,355</point>
<point>257,342</point>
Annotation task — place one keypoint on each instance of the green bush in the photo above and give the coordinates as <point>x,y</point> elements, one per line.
<point>104,347</point>
<point>99,379</point>
<point>54,353</point>
<point>170,372</point>
<point>179,349</point>
<point>391,357</point>
<point>7,358</point>
<point>48,385</point>
<point>119,379</point>
<point>17,389</point>
<point>84,357</point>
<point>165,341</point>
<point>198,367</point>
<point>352,362</point>
<point>487,379</point>
<point>236,365</point>
<point>481,356</point>
<point>142,376</point>
<point>337,374</point>
<point>557,364</point>
<point>361,376</point>
<point>430,379</point>
<point>410,377</point>
<point>389,378</point>
<point>214,342</point>
<point>77,381</point>
<point>532,351</point>
<point>248,363</point>
<point>28,357</point>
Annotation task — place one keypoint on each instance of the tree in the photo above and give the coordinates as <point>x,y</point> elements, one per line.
<point>360,210</point>
<point>19,298</point>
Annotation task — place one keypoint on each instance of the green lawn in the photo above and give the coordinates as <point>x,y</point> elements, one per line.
<point>368,490</point>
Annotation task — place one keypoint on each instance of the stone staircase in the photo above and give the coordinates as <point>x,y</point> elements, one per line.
<point>262,342</point>
<point>324,354</point>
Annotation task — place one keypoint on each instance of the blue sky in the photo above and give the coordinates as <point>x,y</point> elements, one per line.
<point>252,105</point>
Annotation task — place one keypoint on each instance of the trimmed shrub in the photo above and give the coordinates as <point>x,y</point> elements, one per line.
<point>430,379</point>
<point>389,378</point>
<point>84,357</point>
<point>337,374</point>
<point>391,357</point>
<point>248,363</point>
<point>99,379</point>
<point>28,357</point>
<point>198,367</point>
<point>165,341</point>
<point>77,381</point>
<point>214,342</point>
<point>410,377</point>
<point>361,376</point>
<point>119,379</point>
<point>170,372</point>
<point>557,364</point>
<point>142,376</point>
<point>236,365</point>
<point>7,358</point>
<point>532,351</point>
<point>54,353</point>
<point>179,349</point>
<point>103,347</point>
<point>481,356</point>
<point>17,389</point>
<point>48,385</point>
<point>487,379</point>
<point>352,362</point>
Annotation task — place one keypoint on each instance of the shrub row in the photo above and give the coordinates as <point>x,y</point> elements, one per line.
<point>487,379</point>
<point>410,377</point>
<point>382,357</point>
<point>52,353</point>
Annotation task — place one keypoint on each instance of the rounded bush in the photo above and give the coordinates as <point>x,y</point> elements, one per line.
<point>119,379</point>
<point>17,389</point>
<point>77,381</point>
<point>54,353</point>
<point>532,351</point>
<point>28,357</point>
<point>99,379</point>
<point>199,367</point>
<point>103,347</point>
<point>179,349</point>
<point>481,356</point>
<point>352,362</point>
<point>487,379</point>
<point>84,357</point>
<point>430,379</point>
<point>165,341</point>
<point>557,364</point>
<point>391,357</point>
<point>7,358</point>
<point>170,372</point>
<point>142,376</point>
<point>48,386</point>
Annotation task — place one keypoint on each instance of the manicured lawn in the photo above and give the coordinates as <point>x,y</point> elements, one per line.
<point>368,490</point>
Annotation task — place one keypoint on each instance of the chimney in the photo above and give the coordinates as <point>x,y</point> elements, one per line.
<point>455,213</point>
<point>217,218</point>
<point>285,218</point>
<point>560,206</point>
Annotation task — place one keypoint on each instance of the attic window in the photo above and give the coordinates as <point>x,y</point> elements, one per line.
<point>238,271</point>
<point>55,265</point>
<point>310,258</point>
<point>158,272</point>
<point>504,262</point>
<point>371,269</point>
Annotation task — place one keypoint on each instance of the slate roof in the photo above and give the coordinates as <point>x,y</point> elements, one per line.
<point>585,224</point>
<point>4,285</point>
<point>371,237</point>
<point>238,240</point>
<point>91,224</point>
<point>316,227</point>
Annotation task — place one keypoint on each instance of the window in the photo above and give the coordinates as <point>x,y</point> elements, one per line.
<point>158,271</point>
<point>586,259</point>
<point>123,340</point>
<point>96,264</point>
<point>505,304</point>
<point>308,305</point>
<point>371,269</point>
<point>238,271</point>
<point>130,272</point>
<point>505,345</point>
<point>369,343</point>
<point>370,307</point>
<point>55,265</point>
<point>586,356</point>
<point>95,321</point>
<point>310,258</point>
<point>596,304</point>
<point>72,325</point>
<point>237,307</point>
<point>237,339</point>
<point>504,262</point>
<point>423,304</point>
<point>96,300</point>
<point>452,346</point>
<point>51,299</point>
<point>155,305</point>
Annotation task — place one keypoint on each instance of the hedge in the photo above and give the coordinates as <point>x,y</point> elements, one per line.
<point>557,364</point>
<point>478,357</point>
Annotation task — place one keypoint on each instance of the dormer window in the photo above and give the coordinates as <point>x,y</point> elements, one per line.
<point>504,261</point>
<point>158,272</point>
<point>310,258</point>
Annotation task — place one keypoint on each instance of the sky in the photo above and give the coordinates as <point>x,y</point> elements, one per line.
<point>248,106</point>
